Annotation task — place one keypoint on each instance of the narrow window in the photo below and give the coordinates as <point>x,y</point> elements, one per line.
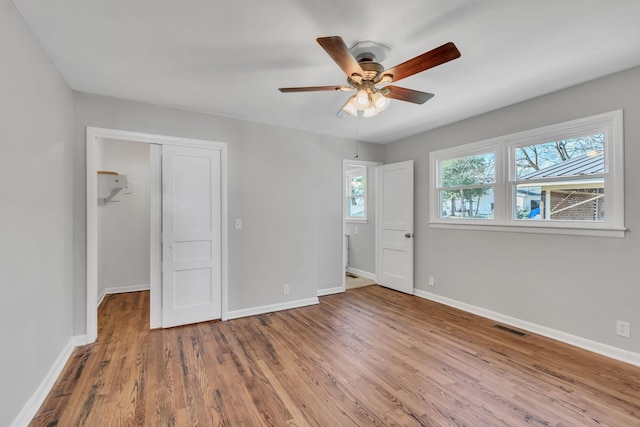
<point>356,194</point>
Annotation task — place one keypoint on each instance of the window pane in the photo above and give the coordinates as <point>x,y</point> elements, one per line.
<point>355,207</point>
<point>470,203</point>
<point>357,186</point>
<point>470,170</point>
<point>569,201</point>
<point>568,157</point>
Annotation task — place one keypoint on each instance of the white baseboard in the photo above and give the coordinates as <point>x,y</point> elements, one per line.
<point>235,314</point>
<point>594,346</point>
<point>30,408</point>
<point>361,273</point>
<point>122,289</point>
<point>330,291</point>
<point>78,340</point>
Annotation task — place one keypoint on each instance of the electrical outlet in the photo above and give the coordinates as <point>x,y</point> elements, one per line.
<point>432,281</point>
<point>238,224</point>
<point>623,329</point>
<point>285,289</point>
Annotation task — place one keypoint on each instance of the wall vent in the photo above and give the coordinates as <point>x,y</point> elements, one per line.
<point>510,330</point>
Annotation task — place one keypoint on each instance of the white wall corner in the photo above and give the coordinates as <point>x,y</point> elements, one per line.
<point>362,273</point>
<point>235,314</point>
<point>596,347</point>
<point>30,408</point>
<point>330,291</point>
<point>121,290</point>
<point>101,297</point>
<point>78,340</point>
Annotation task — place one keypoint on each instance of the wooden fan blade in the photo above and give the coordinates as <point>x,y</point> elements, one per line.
<point>341,54</point>
<point>409,95</point>
<point>438,56</point>
<point>312,88</point>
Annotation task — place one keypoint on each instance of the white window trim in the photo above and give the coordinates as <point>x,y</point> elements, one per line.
<point>610,123</point>
<point>357,171</point>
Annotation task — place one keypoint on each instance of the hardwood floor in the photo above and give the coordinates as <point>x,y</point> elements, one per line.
<point>368,357</point>
<point>351,281</point>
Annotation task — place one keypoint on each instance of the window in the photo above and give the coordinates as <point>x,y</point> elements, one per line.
<point>356,194</point>
<point>564,178</point>
<point>467,186</point>
<point>560,180</point>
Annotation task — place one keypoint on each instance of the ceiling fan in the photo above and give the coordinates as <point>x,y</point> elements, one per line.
<point>364,73</point>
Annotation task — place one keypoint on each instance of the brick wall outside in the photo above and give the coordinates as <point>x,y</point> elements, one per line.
<point>593,210</point>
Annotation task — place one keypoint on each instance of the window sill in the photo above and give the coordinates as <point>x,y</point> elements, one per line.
<point>555,229</point>
<point>348,220</point>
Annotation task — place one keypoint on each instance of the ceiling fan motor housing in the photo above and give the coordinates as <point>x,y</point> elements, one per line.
<point>372,72</point>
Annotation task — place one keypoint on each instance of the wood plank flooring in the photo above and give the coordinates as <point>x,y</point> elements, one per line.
<point>368,357</point>
<point>353,281</point>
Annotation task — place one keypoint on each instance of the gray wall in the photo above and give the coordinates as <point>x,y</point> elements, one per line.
<point>36,116</point>
<point>578,285</point>
<point>286,186</point>
<point>123,226</point>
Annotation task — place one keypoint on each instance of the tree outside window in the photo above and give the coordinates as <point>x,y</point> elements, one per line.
<point>467,186</point>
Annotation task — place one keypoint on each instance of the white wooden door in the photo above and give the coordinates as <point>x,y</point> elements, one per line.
<point>191,235</point>
<point>395,226</point>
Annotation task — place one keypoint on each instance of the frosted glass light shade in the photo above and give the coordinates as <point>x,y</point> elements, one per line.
<point>361,100</point>
<point>380,101</point>
<point>349,108</point>
<point>370,111</point>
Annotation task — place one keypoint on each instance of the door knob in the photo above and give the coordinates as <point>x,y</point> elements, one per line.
<point>408,235</point>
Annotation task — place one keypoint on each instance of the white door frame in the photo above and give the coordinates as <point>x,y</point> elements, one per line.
<point>345,165</point>
<point>93,135</point>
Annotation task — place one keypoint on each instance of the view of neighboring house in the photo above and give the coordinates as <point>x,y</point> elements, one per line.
<point>575,200</point>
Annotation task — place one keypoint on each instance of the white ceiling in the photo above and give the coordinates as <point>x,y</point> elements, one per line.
<point>229,57</point>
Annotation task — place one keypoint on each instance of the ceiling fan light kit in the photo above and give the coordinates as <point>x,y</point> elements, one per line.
<point>369,103</point>
<point>364,73</point>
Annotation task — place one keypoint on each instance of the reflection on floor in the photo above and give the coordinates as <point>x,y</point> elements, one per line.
<point>352,281</point>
